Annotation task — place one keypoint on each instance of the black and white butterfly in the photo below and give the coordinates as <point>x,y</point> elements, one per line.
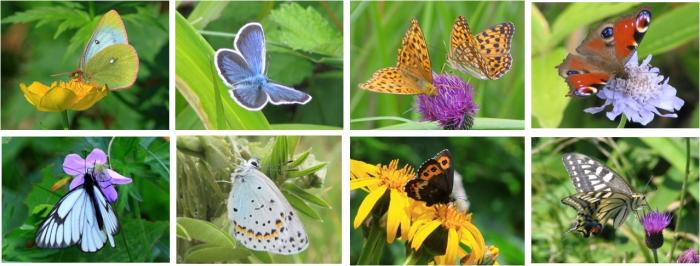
<point>83,216</point>
<point>601,195</point>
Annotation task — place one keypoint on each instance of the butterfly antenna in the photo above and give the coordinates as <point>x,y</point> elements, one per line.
<point>223,181</point>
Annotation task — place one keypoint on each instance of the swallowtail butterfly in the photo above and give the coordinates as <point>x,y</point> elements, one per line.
<point>601,194</point>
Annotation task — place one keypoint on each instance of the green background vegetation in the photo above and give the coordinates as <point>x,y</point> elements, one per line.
<point>377,29</point>
<point>493,179</point>
<point>557,29</point>
<point>663,160</point>
<point>205,165</point>
<point>41,39</point>
<point>30,166</point>
<point>304,51</point>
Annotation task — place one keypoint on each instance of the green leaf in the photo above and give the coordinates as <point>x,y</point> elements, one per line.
<point>303,127</point>
<point>195,82</point>
<point>307,171</point>
<point>480,123</point>
<point>206,232</point>
<point>211,253</point>
<point>665,34</point>
<point>301,206</point>
<point>540,29</point>
<point>306,196</point>
<point>205,12</point>
<point>548,90</point>
<point>286,62</point>
<point>306,30</point>
<point>672,151</point>
<point>181,232</point>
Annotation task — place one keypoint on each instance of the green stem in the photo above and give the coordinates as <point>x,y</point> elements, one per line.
<point>656,256</point>
<point>623,121</point>
<point>65,120</point>
<point>683,187</point>
<point>372,250</point>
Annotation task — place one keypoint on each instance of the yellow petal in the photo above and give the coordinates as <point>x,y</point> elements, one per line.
<point>57,99</point>
<point>396,215</point>
<point>34,92</point>
<point>423,233</point>
<point>452,246</point>
<point>367,205</point>
<point>480,245</point>
<point>360,169</point>
<point>476,252</point>
<point>89,99</point>
<point>363,182</point>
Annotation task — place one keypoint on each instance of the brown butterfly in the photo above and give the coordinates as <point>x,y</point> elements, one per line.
<point>435,180</point>
<point>485,55</point>
<point>412,74</point>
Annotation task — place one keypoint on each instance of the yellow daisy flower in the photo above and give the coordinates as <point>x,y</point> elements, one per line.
<point>385,183</point>
<point>440,218</point>
<point>60,96</point>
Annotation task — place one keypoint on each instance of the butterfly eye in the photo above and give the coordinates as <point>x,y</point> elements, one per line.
<point>255,163</point>
<point>643,20</point>
<point>607,33</point>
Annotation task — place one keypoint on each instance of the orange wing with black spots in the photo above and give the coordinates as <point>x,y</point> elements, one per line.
<point>435,180</point>
<point>413,73</point>
<point>485,55</point>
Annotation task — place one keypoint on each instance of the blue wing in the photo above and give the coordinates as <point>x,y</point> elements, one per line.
<point>250,42</point>
<point>231,66</point>
<point>280,94</point>
<point>249,95</point>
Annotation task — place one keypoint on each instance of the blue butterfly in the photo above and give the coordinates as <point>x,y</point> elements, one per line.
<point>243,70</point>
<point>261,217</point>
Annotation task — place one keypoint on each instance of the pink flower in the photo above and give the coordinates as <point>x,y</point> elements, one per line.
<point>96,164</point>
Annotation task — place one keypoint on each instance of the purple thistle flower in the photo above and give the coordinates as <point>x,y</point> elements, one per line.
<point>453,107</point>
<point>95,163</point>
<point>654,224</point>
<point>688,256</point>
<point>640,95</point>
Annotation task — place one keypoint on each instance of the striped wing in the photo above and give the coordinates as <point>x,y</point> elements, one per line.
<point>73,220</point>
<point>603,206</point>
<point>589,175</point>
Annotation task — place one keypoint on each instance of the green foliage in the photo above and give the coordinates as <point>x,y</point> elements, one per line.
<point>204,168</point>
<point>304,51</point>
<point>47,41</point>
<point>32,165</point>
<point>663,160</point>
<point>493,179</point>
<point>377,29</point>
<point>558,28</point>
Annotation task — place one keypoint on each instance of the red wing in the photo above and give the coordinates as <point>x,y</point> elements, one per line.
<point>583,77</point>
<point>629,31</point>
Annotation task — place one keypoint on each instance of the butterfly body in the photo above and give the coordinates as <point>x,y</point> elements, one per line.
<point>83,216</point>
<point>485,55</point>
<point>434,182</point>
<point>262,219</point>
<point>413,72</point>
<point>602,194</point>
<point>108,58</point>
<point>243,71</point>
<point>603,54</point>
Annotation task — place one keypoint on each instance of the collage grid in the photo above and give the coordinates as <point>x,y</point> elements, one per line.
<point>351,145</point>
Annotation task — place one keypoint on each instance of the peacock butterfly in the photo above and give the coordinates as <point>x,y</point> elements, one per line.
<point>604,53</point>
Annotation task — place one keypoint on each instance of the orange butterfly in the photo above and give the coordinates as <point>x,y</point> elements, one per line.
<point>412,74</point>
<point>485,55</point>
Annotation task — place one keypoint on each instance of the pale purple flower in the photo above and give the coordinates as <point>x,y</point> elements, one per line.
<point>689,256</point>
<point>453,107</point>
<point>95,163</point>
<point>654,224</point>
<point>639,96</point>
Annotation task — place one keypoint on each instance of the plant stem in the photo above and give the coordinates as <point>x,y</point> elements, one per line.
<point>623,121</point>
<point>656,256</point>
<point>680,207</point>
<point>65,120</point>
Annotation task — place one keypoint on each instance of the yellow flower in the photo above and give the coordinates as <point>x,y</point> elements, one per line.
<point>459,228</point>
<point>383,182</point>
<point>60,96</point>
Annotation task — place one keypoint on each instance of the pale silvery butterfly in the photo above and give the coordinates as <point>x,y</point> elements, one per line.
<point>243,70</point>
<point>261,217</point>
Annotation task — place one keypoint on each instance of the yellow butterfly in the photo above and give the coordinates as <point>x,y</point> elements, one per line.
<point>485,55</point>
<point>412,74</point>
